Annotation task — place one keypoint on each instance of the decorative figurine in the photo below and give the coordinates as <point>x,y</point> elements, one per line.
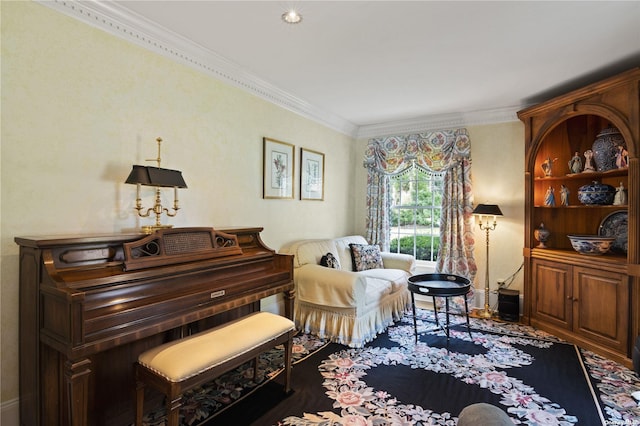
<point>564,195</point>
<point>542,235</point>
<point>588,167</point>
<point>620,199</point>
<point>547,165</point>
<point>550,197</point>
<point>575,164</point>
<point>622,157</point>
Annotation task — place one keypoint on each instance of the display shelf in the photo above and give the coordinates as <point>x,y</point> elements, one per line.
<point>560,284</point>
<point>584,175</point>
<point>616,261</point>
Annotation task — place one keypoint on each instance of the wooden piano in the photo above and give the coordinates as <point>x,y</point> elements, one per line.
<point>90,304</point>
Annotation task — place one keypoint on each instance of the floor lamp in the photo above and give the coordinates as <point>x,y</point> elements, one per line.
<point>483,211</point>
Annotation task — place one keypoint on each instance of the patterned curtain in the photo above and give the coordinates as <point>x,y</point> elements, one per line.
<point>446,151</point>
<point>378,205</point>
<point>456,227</point>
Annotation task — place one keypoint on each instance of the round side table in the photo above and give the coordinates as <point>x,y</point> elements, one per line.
<point>439,285</point>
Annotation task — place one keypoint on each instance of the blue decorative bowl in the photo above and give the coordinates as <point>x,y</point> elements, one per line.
<point>591,244</point>
<point>596,193</point>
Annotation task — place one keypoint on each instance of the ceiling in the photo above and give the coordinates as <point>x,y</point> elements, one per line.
<point>364,66</point>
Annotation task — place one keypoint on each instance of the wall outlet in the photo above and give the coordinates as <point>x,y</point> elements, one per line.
<point>501,283</point>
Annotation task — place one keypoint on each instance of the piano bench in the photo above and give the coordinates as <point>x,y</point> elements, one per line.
<point>175,367</point>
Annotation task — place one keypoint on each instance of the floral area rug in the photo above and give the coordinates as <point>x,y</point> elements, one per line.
<point>535,377</point>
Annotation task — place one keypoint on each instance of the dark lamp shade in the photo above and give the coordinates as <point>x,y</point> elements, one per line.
<point>155,176</point>
<point>487,210</point>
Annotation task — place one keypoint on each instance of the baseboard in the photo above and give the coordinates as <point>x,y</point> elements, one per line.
<point>10,412</point>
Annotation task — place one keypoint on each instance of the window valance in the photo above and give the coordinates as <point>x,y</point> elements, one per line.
<point>435,151</point>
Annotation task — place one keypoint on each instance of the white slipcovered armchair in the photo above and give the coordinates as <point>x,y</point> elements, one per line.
<point>340,304</point>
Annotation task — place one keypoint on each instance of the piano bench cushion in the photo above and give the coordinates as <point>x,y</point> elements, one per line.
<point>182,359</point>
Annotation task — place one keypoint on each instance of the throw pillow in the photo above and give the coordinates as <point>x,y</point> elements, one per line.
<point>365,257</point>
<point>330,261</point>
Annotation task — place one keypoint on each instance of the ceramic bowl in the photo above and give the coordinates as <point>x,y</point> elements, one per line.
<point>596,193</point>
<point>591,244</point>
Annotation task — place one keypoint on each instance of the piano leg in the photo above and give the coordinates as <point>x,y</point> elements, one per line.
<point>173,410</point>
<point>289,297</point>
<point>77,373</point>
<point>139,402</point>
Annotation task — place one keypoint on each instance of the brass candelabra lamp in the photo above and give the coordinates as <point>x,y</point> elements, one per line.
<point>159,178</point>
<point>483,212</point>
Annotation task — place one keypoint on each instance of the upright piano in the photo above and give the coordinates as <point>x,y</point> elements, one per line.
<point>89,305</point>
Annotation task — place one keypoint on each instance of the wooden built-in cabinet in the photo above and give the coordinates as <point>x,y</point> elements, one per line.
<point>586,304</point>
<point>592,300</point>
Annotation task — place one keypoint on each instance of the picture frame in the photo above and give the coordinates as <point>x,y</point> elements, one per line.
<point>278,169</point>
<point>311,175</point>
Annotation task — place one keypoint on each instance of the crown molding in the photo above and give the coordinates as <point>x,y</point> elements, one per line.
<point>114,19</point>
<point>439,121</point>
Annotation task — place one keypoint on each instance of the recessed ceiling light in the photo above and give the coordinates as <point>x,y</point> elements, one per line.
<point>292,17</point>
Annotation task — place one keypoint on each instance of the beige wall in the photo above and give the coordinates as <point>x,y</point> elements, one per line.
<point>497,153</point>
<point>79,107</point>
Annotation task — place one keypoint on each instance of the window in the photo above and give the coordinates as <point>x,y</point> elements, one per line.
<point>416,205</point>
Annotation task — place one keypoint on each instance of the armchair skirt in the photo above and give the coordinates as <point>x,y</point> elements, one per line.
<point>342,305</point>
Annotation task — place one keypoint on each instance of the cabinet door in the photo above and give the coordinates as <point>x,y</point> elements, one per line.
<point>552,289</point>
<point>601,307</point>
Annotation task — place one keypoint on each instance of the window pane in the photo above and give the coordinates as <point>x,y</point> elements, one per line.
<point>415,214</point>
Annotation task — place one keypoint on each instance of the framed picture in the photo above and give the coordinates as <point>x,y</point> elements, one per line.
<point>278,169</point>
<point>311,175</point>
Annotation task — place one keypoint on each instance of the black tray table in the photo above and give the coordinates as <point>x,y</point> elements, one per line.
<point>439,285</point>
